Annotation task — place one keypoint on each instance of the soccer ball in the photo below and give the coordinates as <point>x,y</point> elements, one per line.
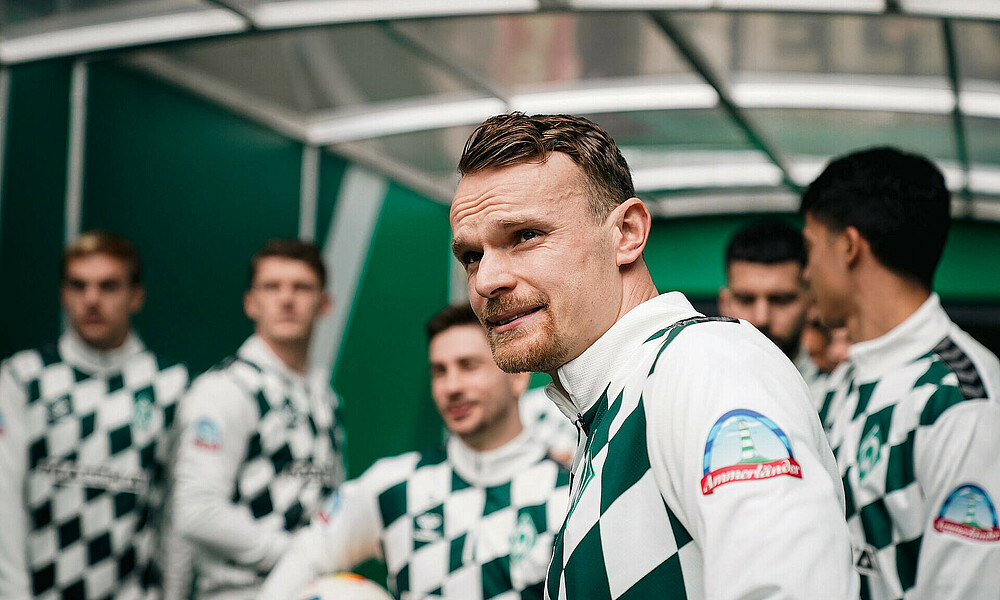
<point>343,586</point>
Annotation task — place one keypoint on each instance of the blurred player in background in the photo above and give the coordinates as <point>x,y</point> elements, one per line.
<point>764,285</point>
<point>470,521</point>
<point>261,443</point>
<point>84,441</point>
<point>703,471</point>
<point>912,415</point>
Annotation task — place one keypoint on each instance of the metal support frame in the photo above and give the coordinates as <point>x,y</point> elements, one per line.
<point>700,64</point>
<point>308,192</point>
<point>75,151</point>
<point>456,68</point>
<point>958,120</point>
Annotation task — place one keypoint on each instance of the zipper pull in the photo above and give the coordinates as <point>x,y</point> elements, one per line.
<point>582,424</point>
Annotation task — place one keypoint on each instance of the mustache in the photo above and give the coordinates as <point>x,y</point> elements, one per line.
<point>504,304</point>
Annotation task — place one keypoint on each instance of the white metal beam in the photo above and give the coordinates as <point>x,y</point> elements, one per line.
<point>75,151</point>
<point>70,41</point>
<point>969,9</point>
<point>298,13</point>
<point>308,192</point>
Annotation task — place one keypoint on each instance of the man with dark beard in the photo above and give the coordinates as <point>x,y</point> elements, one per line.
<point>764,285</point>
<point>702,471</point>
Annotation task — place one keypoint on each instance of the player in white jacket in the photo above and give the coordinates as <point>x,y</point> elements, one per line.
<point>913,414</point>
<point>85,430</point>
<point>470,521</point>
<point>703,472</point>
<point>260,445</point>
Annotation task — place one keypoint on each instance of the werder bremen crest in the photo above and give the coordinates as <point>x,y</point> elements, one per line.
<point>869,451</point>
<point>523,538</point>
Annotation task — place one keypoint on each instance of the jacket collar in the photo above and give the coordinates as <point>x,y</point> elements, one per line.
<point>493,467</point>
<point>88,359</point>
<point>587,377</point>
<point>256,351</point>
<point>911,339</point>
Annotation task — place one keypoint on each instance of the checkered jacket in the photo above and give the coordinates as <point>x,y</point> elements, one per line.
<point>914,421</point>
<point>260,447</point>
<point>704,471</point>
<point>451,524</point>
<point>83,453</point>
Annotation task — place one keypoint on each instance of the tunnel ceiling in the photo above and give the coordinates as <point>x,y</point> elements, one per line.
<point>720,106</point>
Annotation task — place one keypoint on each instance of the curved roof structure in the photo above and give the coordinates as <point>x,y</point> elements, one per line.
<point>719,105</point>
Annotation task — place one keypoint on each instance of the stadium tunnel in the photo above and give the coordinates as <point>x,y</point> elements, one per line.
<point>199,128</point>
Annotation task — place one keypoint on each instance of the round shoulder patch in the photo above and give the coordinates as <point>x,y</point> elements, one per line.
<point>969,512</point>
<point>206,434</point>
<point>745,445</point>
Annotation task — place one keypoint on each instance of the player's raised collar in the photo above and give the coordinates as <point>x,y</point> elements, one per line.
<point>91,360</point>
<point>587,376</point>
<point>494,467</point>
<point>256,351</point>
<point>911,339</point>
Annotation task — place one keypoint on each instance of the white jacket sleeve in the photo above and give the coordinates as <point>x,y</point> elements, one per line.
<point>959,449</point>
<point>765,529</point>
<point>13,462</point>
<point>344,534</point>
<point>217,420</point>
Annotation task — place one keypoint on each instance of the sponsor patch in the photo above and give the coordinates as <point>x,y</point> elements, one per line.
<point>968,512</point>
<point>330,507</point>
<point>206,434</point>
<point>745,445</point>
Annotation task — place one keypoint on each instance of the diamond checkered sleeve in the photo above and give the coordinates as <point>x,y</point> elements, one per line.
<point>783,536</point>
<point>205,475</point>
<point>345,533</point>
<point>14,582</point>
<point>961,446</point>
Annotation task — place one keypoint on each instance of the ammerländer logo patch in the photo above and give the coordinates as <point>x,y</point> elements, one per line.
<point>744,445</point>
<point>968,512</point>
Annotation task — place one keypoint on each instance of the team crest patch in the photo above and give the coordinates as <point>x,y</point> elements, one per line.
<point>968,512</point>
<point>330,507</point>
<point>206,434</point>
<point>745,445</point>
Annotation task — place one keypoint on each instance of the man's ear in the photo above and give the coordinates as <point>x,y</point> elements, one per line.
<point>632,223</point>
<point>725,298</point>
<point>249,305</point>
<point>137,299</point>
<point>327,304</point>
<point>853,245</point>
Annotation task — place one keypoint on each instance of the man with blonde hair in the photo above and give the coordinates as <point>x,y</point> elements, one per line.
<point>83,440</point>
<point>703,471</point>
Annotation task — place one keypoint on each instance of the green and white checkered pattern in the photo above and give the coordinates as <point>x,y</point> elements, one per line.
<point>443,537</point>
<point>94,484</point>
<point>616,507</point>
<point>293,458</point>
<point>873,426</point>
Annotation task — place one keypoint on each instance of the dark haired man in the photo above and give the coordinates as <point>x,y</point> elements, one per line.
<point>703,471</point>
<point>260,445</point>
<point>470,521</point>
<point>83,441</point>
<point>764,285</point>
<point>912,415</point>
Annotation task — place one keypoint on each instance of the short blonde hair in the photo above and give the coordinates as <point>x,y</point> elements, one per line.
<point>98,241</point>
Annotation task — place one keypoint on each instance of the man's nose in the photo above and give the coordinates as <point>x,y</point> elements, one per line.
<point>494,275</point>
<point>91,294</point>
<point>762,313</point>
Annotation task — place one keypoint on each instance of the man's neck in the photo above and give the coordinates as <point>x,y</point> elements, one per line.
<point>873,316</point>
<point>295,355</point>
<point>494,437</point>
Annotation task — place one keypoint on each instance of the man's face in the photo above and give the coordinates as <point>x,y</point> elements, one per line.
<point>99,299</point>
<point>285,300</point>
<point>827,272</point>
<point>542,270</point>
<point>770,296</point>
<point>472,394</point>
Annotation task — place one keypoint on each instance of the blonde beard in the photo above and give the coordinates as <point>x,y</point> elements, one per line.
<point>543,356</point>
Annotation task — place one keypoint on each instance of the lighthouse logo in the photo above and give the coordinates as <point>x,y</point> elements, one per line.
<point>745,445</point>
<point>969,513</point>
